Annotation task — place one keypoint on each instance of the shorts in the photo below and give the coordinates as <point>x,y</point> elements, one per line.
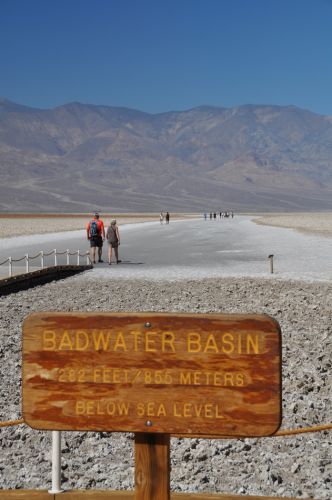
<point>114,244</point>
<point>96,241</point>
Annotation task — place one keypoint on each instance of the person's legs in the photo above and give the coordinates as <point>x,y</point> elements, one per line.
<point>93,252</point>
<point>116,251</point>
<point>100,250</point>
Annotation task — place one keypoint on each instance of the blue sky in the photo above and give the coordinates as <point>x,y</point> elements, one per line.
<point>163,55</point>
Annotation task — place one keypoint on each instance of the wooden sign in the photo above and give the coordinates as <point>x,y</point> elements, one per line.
<point>202,374</point>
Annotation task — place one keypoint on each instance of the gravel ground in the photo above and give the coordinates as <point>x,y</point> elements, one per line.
<point>297,466</point>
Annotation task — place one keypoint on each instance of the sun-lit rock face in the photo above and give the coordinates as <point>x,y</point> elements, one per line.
<point>246,158</point>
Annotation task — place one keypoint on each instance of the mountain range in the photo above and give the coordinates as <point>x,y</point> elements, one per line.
<point>80,157</point>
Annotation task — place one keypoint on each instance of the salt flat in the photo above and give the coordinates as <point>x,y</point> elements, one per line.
<point>313,223</point>
<point>18,225</point>
<point>197,249</point>
<point>316,223</point>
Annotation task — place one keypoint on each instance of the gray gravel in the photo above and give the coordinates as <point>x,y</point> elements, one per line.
<point>298,466</point>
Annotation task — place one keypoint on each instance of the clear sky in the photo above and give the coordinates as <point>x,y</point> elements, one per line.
<point>163,55</point>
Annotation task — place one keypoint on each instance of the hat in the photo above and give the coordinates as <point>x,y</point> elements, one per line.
<point>113,221</point>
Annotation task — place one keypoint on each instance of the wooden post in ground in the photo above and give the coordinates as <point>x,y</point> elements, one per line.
<point>271,263</point>
<point>152,466</point>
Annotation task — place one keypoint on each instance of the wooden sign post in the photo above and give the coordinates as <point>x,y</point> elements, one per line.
<point>152,466</point>
<point>155,375</point>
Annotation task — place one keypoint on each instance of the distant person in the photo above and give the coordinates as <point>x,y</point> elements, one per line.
<point>113,238</point>
<point>161,218</point>
<point>215,216</point>
<point>167,217</point>
<point>95,232</point>
<point>210,215</point>
<point>205,216</point>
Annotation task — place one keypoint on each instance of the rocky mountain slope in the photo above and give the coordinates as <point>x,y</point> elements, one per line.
<point>77,157</point>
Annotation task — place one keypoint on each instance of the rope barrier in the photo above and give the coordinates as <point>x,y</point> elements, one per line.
<point>42,254</point>
<point>286,432</point>
<point>35,256</point>
<point>11,423</point>
<point>291,432</point>
<point>48,254</point>
<point>18,260</point>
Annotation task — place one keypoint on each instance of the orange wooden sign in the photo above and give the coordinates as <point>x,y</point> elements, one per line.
<point>202,374</point>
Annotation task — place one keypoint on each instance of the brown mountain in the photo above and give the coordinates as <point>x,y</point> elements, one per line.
<point>79,157</point>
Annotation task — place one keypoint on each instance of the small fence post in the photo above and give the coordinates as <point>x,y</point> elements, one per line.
<point>271,263</point>
<point>27,263</point>
<point>55,258</point>
<point>78,257</point>
<point>42,259</point>
<point>10,266</point>
<point>67,254</point>
<point>56,463</point>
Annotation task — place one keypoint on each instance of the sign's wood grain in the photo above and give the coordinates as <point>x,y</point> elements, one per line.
<point>152,466</point>
<point>196,374</point>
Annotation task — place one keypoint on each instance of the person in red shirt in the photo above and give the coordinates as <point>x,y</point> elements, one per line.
<point>95,232</point>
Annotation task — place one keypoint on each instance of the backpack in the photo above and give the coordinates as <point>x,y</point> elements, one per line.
<point>93,228</point>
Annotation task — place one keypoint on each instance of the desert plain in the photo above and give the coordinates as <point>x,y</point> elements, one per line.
<point>25,224</point>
